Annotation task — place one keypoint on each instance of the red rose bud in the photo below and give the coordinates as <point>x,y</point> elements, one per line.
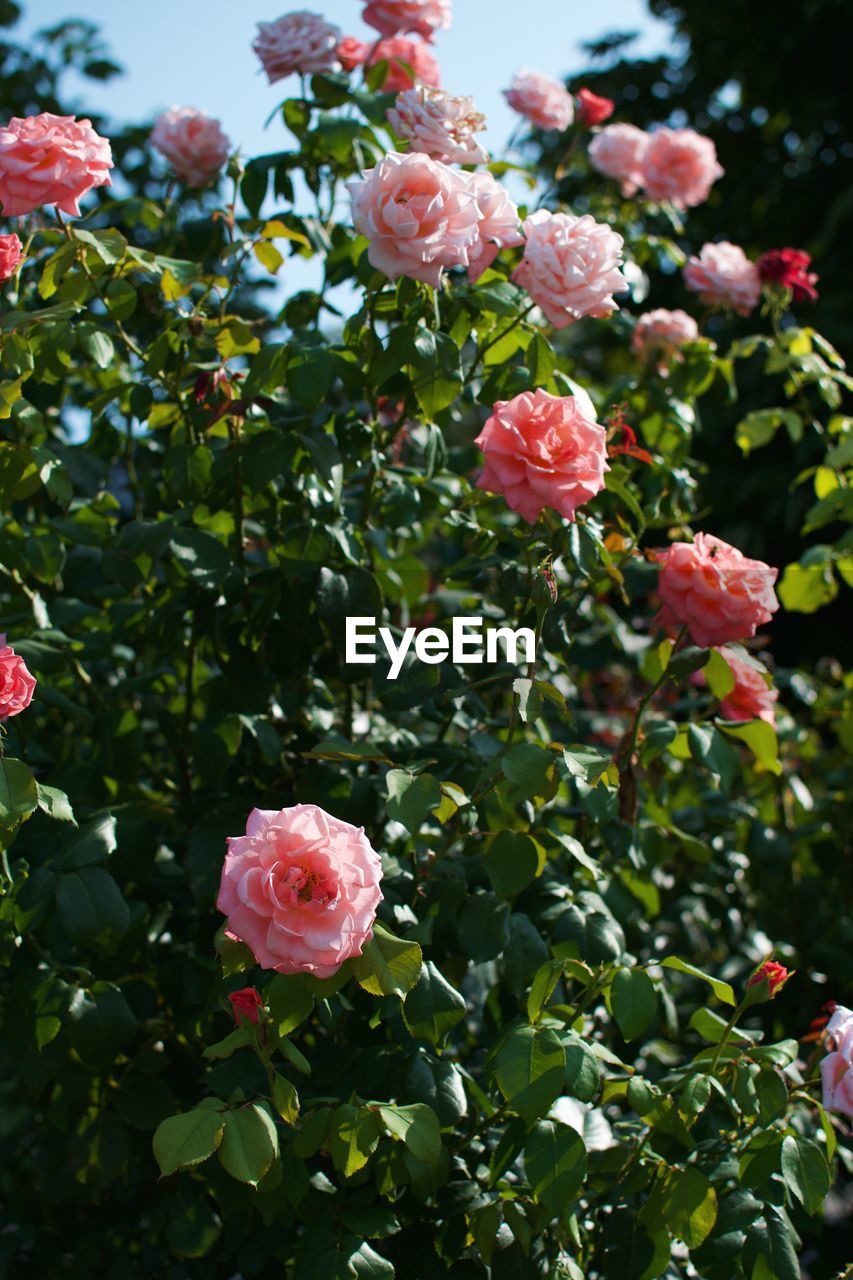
<point>245,1005</point>
<point>790,269</point>
<point>592,109</point>
<point>776,974</point>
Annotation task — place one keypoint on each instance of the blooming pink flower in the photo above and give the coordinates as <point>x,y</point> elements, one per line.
<point>659,334</point>
<point>714,590</point>
<point>543,451</point>
<point>593,109</point>
<point>48,159</point>
<point>11,256</point>
<point>16,683</point>
<point>498,227</point>
<point>246,1005</point>
<point>618,151</point>
<point>570,266</point>
<point>544,102</point>
<point>789,268</point>
<point>751,698</point>
<point>680,165</point>
<point>299,41</point>
<point>723,276</point>
<point>839,1031</point>
<point>395,17</point>
<point>438,124</point>
<point>301,889</point>
<point>837,1084</point>
<point>419,216</point>
<point>192,142</point>
<point>351,53</point>
<point>410,62</point>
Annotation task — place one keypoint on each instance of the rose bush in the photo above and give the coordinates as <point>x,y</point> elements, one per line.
<point>518,970</point>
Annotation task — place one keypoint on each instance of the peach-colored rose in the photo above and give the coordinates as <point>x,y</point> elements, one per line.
<point>839,1031</point>
<point>299,41</point>
<point>751,698</point>
<point>301,889</point>
<point>714,590</point>
<point>544,102</point>
<point>351,53</point>
<point>680,165</point>
<point>543,451</point>
<point>438,124</point>
<point>723,276</point>
<point>396,17</point>
<point>410,62</point>
<point>192,142</point>
<point>48,159</point>
<point>570,266</point>
<point>837,1084</point>
<point>659,334</point>
<point>618,151</point>
<point>498,227</point>
<point>419,216</point>
<point>16,683</point>
<point>11,256</point>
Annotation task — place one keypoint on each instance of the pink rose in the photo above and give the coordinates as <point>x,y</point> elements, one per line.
<point>543,451</point>
<point>48,159</point>
<point>419,216</point>
<point>680,165</point>
<point>592,108</point>
<point>723,276</point>
<point>839,1030</point>
<point>714,590</point>
<point>498,227</point>
<point>837,1081</point>
<point>192,142</point>
<point>659,334</point>
<point>301,889</point>
<point>299,41</point>
<point>410,62</point>
<point>396,17</point>
<point>544,102</point>
<point>11,256</point>
<point>351,53</point>
<point>618,152</point>
<point>751,698</point>
<point>570,266</point>
<point>439,125</point>
<point>16,683</point>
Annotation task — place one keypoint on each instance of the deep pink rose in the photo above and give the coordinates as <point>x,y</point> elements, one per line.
<point>680,165</point>
<point>192,142</point>
<point>714,590</point>
<point>11,256</point>
<point>410,62</point>
<point>301,889</point>
<point>246,1004</point>
<point>48,159</point>
<point>618,151</point>
<point>543,451</point>
<point>593,109</point>
<point>544,102</point>
<point>723,276</point>
<point>397,17</point>
<point>570,266</point>
<point>790,269</point>
<point>351,53</point>
<point>839,1031</point>
<point>438,124</point>
<point>772,972</point>
<point>299,41</point>
<point>659,334</point>
<point>837,1081</point>
<point>498,227</point>
<point>16,683</point>
<point>419,215</point>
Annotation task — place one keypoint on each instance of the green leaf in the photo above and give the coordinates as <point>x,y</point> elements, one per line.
<point>354,1133</point>
<point>285,1098</point>
<point>556,1164</point>
<point>759,428</point>
<point>529,768</point>
<point>512,862</point>
<point>236,1039</point>
<point>416,1125</point>
<point>411,797</point>
<point>387,966</point>
<point>721,990</point>
<point>18,792</point>
<point>806,1172</point>
<point>91,908</point>
<point>634,1001</point>
<point>185,1140</point>
<point>433,1007</point>
<point>761,739</point>
<point>689,1206</point>
<point>55,803</point>
<point>249,1144</point>
<point>809,584</point>
<point>544,981</point>
<point>719,675</point>
<point>530,1068</point>
<point>289,1003</point>
<point>435,371</point>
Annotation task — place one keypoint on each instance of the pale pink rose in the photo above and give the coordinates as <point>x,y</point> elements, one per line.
<point>498,227</point>
<point>541,100</point>
<point>351,53</point>
<point>680,165</point>
<point>714,590</point>
<point>410,62</point>
<point>658,336</point>
<point>192,142</point>
<point>751,698</point>
<point>543,451</point>
<point>301,889</point>
<point>419,216</point>
<point>396,17</point>
<point>837,1081</point>
<point>438,124</point>
<point>16,683</point>
<point>618,150</point>
<point>299,41</point>
<point>723,276</point>
<point>839,1030</point>
<point>48,159</point>
<point>570,266</point>
<point>11,256</point>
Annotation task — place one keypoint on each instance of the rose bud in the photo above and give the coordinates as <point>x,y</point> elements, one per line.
<point>245,1005</point>
<point>592,109</point>
<point>773,973</point>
